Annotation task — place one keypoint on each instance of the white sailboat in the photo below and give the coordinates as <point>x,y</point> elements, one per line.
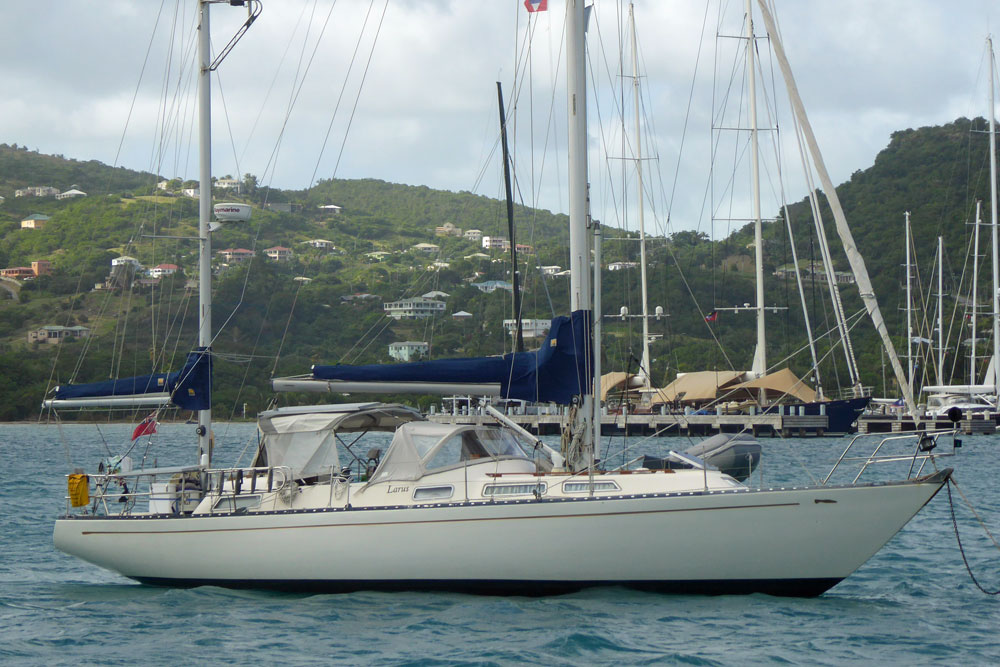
<point>474,508</point>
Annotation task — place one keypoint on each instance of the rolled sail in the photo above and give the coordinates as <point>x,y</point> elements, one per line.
<point>556,372</point>
<point>189,388</point>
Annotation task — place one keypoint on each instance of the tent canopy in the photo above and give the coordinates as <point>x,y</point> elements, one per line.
<point>781,383</point>
<point>697,387</point>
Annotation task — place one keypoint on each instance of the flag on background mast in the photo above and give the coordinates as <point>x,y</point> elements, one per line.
<point>712,316</point>
<point>536,5</point>
<point>146,427</point>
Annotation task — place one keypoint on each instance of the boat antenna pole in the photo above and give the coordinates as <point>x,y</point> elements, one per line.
<point>645,370</point>
<point>204,217</point>
<point>516,283</point>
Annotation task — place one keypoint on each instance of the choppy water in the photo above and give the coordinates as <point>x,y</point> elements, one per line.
<point>913,603</point>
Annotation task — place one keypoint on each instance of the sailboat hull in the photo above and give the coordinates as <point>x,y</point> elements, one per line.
<point>798,541</point>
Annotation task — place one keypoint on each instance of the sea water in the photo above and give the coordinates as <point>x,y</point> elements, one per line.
<point>912,603</point>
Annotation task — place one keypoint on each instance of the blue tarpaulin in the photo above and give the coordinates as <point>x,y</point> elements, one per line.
<point>190,388</point>
<point>556,372</point>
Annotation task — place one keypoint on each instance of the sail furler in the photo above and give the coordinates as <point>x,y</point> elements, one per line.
<point>189,388</point>
<point>557,372</point>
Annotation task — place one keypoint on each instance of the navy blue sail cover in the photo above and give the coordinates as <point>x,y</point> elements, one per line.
<point>190,388</point>
<point>558,371</point>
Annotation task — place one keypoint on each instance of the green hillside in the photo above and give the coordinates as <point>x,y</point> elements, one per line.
<point>280,317</point>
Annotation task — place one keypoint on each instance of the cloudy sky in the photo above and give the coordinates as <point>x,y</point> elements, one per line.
<point>77,81</point>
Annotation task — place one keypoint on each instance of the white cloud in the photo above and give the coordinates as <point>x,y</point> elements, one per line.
<point>427,111</point>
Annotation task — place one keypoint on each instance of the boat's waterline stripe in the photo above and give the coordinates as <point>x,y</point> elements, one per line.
<point>423,521</point>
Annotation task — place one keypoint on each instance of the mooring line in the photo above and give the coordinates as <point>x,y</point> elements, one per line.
<point>958,538</point>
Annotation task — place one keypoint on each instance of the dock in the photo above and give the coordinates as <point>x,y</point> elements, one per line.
<point>974,425</point>
<point>662,424</point>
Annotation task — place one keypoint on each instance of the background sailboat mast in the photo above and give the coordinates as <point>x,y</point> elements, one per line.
<point>760,354</point>
<point>204,216</point>
<point>993,227</point>
<point>645,371</point>
<point>940,311</point>
<point>975,296</point>
<point>909,306</point>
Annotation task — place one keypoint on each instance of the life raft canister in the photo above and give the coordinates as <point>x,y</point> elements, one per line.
<point>78,485</point>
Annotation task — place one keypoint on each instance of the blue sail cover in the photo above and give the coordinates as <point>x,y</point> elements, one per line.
<point>190,388</point>
<point>558,371</point>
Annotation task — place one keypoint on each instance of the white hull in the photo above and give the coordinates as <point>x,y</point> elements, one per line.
<point>782,541</point>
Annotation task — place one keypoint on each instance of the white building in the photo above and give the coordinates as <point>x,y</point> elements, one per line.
<point>322,244</point>
<point>620,266</point>
<point>551,270</point>
<point>409,350</point>
<point>53,334</point>
<point>279,253</point>
<point>529,328</point>
<point>435,294</point>
<point>428,248</point>
<point>125,260</point>
<point>71,194</point>
<point>412,309</point>
<point>161,270</point>
<point>473,235</point>
<point>495,243</point>
<point>228,184</point>
<point>331,208</point>
<point>193,193</point>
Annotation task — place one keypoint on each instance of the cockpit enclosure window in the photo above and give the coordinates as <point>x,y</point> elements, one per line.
<point>472,444</point>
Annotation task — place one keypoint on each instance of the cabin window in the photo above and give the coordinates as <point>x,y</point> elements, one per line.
<point>494,490</point>
<point>433,492</point>
<point>583,487</point>
<point>233,503</point>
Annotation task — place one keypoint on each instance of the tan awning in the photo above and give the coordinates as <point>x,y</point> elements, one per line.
<point>782,383</point>
<point>698,386</point>
<point>614,382</point>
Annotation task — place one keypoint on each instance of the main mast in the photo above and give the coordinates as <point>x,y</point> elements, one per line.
<point>586,426</point>
<point>204,217</point>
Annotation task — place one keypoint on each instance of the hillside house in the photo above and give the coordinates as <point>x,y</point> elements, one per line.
<point>427,248</point>
<point>321,244</point>
<point>235,255</point>
<point>437,266</point>
<point>43,191</point>
<point>228,184</point>
<point>72,193</point>
<point>409,350</point>
<point>474,235</point>
<point>279,253</point>
<point>477,255</point>
<point>18,273</point>
<point>621,266</point>
<point>41,267</point>
<point>491,286</point>
<point>161,270</point>
<point>331,208</point>
<point>193,193</point>
<point>447,229</point>
<point>377,256</point>
<point>126,261</point>
<point>435,294</point>
<point>529,328</point>
<point>461,315</point>
<point>525,249</point>
<point>54,334</point>
<point>551,270</point>
<point>495,243</point>
<point>413,309</point>
<point>35,221</point>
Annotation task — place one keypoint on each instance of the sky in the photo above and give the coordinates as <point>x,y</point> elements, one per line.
<point>405,91</point>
